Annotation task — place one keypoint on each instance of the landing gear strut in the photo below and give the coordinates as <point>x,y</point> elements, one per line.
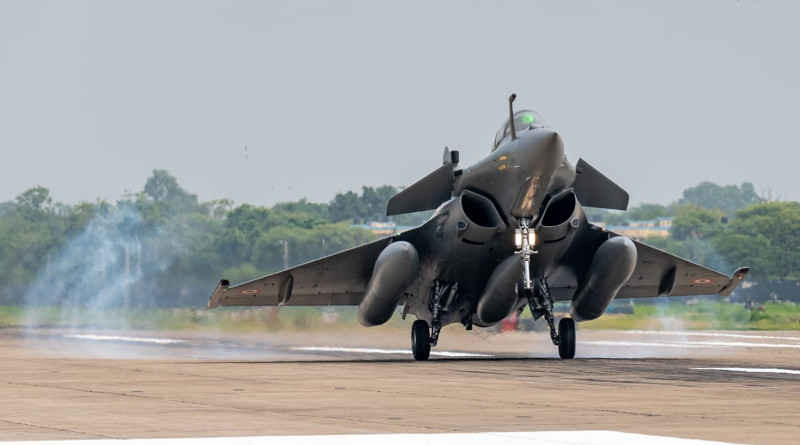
<point>541,304</point>
<point>442,296</point>
<point>538,294</point>
<point>440,303</point>
<point>525,238</point>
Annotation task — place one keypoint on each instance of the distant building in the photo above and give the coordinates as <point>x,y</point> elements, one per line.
<point>658,227</point>
<point>383,228</point>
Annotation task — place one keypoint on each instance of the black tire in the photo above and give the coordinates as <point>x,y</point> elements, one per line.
<point>566,344</point>
<point>420,340</point>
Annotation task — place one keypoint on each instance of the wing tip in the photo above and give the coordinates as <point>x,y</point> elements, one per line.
<point>222,286</point>
<point>737,277</point>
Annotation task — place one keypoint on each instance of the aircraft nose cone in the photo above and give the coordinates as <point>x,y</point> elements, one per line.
<point>548,139</point>
<point>542,149</point>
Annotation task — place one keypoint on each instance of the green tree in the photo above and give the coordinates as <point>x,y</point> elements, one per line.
<point>371,206</point>
<point>695,222</point>
<point>727,198</point>
<point>242,227</point>
<point>642,212</point>
<point>163,199</point>
<point>6,207</point>
<point>29,231</point>
<point>347,207</point>
<point>316,210</point>
<point>218,208</point>
<point>765,237</point>
<point>36,199</point>
<point>81,214</point>
<point>375,200</point>
<point>164,234</point>
<point>304,244</point>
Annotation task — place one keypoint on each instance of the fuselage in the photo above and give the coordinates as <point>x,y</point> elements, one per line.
<point>509,230</point>
<point>473,232</point>
<point>518,173</point>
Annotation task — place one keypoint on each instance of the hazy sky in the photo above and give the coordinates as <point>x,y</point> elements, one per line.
<point>329,96</point>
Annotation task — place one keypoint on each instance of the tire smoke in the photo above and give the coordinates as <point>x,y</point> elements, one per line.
<point>104,278</point>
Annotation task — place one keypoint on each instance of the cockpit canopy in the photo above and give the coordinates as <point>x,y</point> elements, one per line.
<point>523,120</point>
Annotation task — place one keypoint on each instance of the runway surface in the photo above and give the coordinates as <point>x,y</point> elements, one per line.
<point>737,387</point>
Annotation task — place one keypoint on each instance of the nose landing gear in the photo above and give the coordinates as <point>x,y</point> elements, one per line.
<point>538,294</point>
<point>541,304</point>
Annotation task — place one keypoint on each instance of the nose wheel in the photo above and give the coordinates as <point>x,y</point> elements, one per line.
<point>420,340</point>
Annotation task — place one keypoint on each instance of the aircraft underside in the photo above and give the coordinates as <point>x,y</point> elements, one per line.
<point>444,305</point>
<point>484,275</point>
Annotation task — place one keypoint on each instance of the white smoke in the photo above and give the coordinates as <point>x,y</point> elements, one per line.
<point>100,277</point>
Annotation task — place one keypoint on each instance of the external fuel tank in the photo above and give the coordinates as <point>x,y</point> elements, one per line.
<point>394,270</point>
<point>611,266</point>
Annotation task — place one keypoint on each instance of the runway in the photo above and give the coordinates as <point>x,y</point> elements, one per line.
<point>737,387</point>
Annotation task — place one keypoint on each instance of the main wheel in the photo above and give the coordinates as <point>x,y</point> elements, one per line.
<point>420,340</point>
<point>566,333</point>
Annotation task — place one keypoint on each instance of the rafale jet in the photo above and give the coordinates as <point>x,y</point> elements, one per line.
<point>508,231</point>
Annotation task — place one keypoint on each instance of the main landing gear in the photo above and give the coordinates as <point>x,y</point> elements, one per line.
<point>441,299</point>
<point>566,340</point>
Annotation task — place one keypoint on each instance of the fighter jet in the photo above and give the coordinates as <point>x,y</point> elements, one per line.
<point>509,231</point>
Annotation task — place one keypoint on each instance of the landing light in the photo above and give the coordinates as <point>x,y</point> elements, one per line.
<point>519,235</point>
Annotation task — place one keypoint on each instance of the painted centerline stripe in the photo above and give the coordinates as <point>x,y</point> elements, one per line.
<point>382,351</point>
<point>159,341</point>
<point>753,370</point>
<point>520,438</point>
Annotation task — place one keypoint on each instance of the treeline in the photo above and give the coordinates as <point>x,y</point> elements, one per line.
<point>162,247</point>
<point>725,227</point>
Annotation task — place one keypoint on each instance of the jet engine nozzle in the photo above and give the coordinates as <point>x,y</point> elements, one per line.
<point>395,269</point>
<point>612,265</point>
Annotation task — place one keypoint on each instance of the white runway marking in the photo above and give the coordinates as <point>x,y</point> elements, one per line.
<point>753,370</point>
<point>637,343</point>
<point>382,351</point>
<point>522,438</point>
<point>711,334</point>
<point>691,344</point>
<point>159,341</point>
